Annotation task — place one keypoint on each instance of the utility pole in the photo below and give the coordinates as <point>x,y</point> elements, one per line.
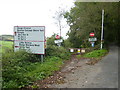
<point>102,29</point>
<point>60,27</point>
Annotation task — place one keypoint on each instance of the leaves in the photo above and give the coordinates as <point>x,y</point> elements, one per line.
<point>86,17</point>
<point>22,68</point>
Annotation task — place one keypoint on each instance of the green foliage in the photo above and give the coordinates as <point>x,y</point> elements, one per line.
<point>6,45</point>
<point>96,53</point>
<point>86,17</point>
<point>60,52</point>
<point>34,86</point>
<point>85,44</point>
<point>45,69</point>
<point>14,65</point>
<point>78,56</point>
<point>50,40</point>
<point>21,68</point>
<point>67,44</point>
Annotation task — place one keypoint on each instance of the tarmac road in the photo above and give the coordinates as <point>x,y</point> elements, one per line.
<point>103,74</point>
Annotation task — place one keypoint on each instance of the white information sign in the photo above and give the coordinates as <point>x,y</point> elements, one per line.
<point>83,51</point>
<point>71,50</point>
<point>29,38</point>
<point>58,41</point>
<point>92,39</point>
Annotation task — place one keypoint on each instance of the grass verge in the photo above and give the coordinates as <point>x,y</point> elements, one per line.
<point>94,56</point>
<point>95,53</point>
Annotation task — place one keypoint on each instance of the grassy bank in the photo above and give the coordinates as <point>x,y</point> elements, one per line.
<point>21,68</point>
<point>96,53</point>
<point>94,56</point>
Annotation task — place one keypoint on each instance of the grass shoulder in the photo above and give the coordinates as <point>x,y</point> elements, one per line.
<point>94,56</point>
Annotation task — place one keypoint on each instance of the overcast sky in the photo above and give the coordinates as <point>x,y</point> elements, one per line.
<point>31,13</point>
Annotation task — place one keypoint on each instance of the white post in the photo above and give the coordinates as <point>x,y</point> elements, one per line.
<point>102,29</point>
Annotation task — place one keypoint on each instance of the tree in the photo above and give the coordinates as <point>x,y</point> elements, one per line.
<point>59,18</point>
<point>85,18</point>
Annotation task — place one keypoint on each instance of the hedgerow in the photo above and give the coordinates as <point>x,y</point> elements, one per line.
<point>21,68</point>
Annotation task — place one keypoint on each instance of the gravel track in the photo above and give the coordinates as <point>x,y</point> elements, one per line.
<point>103,74</point>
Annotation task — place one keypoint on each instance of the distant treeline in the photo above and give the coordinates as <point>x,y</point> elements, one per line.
<point>6,37</point>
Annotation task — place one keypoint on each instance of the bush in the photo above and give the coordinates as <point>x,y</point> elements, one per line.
<point>60,52</point>
<point>21,68</point>
<point>19,75</point>
<point>67,43</point>
<point>14,65</point>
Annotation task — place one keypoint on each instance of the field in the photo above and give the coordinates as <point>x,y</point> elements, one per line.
<point>5,45</point>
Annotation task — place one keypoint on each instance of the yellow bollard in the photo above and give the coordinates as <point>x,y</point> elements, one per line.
<point>78,50</point>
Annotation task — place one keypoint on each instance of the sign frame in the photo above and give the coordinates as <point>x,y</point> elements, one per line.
<point>43,53</point>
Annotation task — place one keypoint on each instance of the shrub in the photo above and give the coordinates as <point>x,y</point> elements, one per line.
<point>60,52</point>
<point>22,68</point>
<point>67,43</point>
<point>14,65</point>
<point>18,76</point>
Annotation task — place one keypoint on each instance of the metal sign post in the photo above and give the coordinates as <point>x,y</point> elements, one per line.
<point>102,29</point>
<point>59,44</point>
<point>41,58</point>
<point>92,43</point>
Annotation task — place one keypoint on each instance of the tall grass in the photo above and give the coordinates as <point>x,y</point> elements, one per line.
<point>21,68</point>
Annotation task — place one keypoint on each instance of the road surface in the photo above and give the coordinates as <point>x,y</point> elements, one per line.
<point>103,74</point>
